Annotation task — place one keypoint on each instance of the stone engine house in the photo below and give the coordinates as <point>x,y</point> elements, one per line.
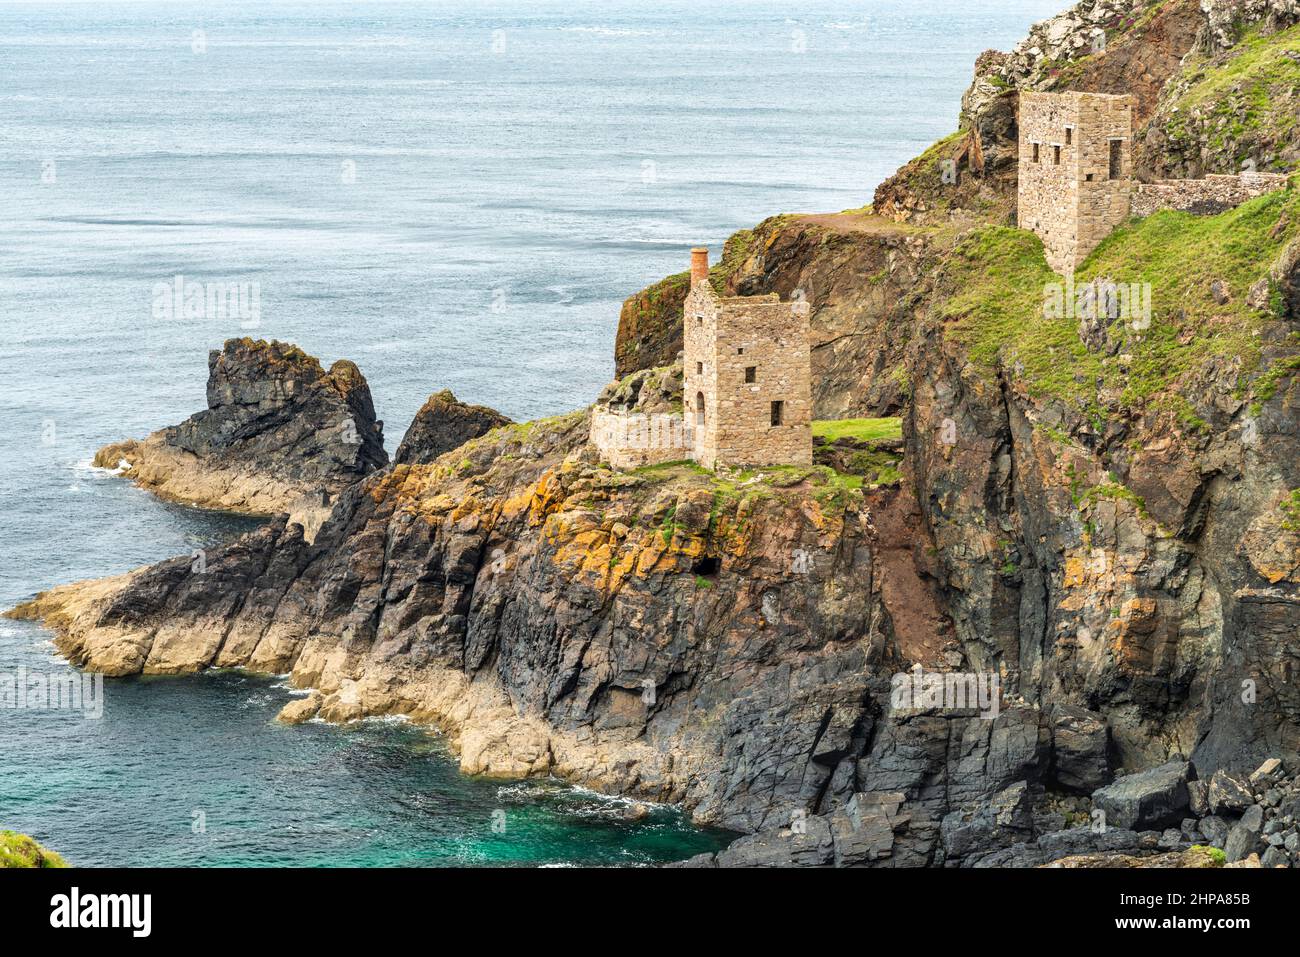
<point>1076,180</point>
<point>1075,171</point>
<point>748,375</point>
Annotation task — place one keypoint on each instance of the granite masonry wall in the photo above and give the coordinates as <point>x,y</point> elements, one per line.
<point>1075,171</point>
<point>748,377</point>
<point>1209,196</point>
<point>631,440</point>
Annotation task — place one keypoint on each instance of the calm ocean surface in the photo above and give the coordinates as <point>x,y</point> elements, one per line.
<point>452,195</point>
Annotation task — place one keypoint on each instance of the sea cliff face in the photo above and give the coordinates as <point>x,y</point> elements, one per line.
<point>1101,511</point>
<point>668,633</point>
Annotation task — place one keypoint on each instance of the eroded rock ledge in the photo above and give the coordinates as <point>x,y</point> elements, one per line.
<point>671,633</point>
<point>280,434</point>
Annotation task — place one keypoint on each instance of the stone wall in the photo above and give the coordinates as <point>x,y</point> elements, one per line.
<point>1068,193</point>
<point>1208,196</point>
<point>632,440</point>
<point>742,355</point>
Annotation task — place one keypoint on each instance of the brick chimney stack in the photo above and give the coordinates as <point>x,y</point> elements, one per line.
<point>699,264</point>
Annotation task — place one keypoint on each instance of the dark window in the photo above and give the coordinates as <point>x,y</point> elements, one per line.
<point>1036,157</point>
<point>699,408</point>
<point>699,368</point>
<point>778,412</point>
<point>1088,177</point>
<point>740,351</point>
<point>1056,156</point>
<point>751,373</point>
<point>1069,135</point>
<point>1116,159</point>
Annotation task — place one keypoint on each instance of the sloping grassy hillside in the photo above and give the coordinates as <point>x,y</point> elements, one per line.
<point>1245,100</point>
<point>995,286</point>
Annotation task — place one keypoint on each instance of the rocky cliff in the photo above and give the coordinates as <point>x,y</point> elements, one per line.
<point>669,633</point>
<point>442,424</point>
<point>280,434</point>
<point>1101,510</point>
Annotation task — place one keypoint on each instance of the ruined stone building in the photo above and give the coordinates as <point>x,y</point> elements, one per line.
<point>747,387</point>
<point>1076,171</point>
<point>748,375</point>
<point>1076,179</point>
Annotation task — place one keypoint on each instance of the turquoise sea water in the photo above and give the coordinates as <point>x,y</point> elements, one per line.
<point>453,195</point>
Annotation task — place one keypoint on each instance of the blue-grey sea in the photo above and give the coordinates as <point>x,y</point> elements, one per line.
<point>452,194</point>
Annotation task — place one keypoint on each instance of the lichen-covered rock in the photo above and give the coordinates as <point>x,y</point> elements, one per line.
<point>280,434</point>
<point>647,633</point>
<point>1228,794</point>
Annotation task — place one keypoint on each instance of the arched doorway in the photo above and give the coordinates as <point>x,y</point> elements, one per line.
<point>699,408</point>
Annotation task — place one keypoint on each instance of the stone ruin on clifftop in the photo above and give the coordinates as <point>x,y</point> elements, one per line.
<point>1076,175</point>
<point>747,395</point>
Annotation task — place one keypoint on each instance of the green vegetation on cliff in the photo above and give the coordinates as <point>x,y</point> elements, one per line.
<point>863,430</point>
<point>19,850</point>
<point>1201,271</point>
<point>1244,96</point>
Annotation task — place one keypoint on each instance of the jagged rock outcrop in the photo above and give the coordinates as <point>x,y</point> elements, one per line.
<point>669,634</point>
<point>280,434</point>
<point>442,424</point>
<point>854,268</point>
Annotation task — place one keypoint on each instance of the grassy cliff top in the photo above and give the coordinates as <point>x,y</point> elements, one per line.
<point>1247,97</point>
<point>19,850</point>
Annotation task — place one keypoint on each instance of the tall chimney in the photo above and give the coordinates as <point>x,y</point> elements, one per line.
<point>699,264</point>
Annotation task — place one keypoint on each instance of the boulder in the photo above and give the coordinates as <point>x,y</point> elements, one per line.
<point>1148,799</point>
<point>1228,794</point>
<point>1244,838</point>
<point>1266,772</point>
<point>1215,830</point>
<point>1275,857</point>
<point>304,709</point>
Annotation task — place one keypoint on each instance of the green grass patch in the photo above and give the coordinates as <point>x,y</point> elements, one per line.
<point>863,430</point>
<point>998,283</point>
<point>1291,511</point>
<point>19,850</point>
